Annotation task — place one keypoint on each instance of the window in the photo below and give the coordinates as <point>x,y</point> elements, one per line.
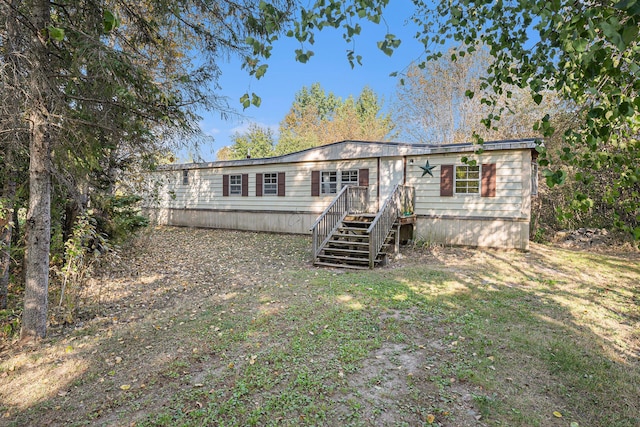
<point>329,183</point>
<point>235,185</point>
<point>270,187</point>
<point>467,179</point>
<point>349,177</point>
<point>185,177</point>
<point>534,179</point>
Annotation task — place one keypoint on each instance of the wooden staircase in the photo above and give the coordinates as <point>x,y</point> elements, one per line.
<point>347,235</point>
<point>348,246</point>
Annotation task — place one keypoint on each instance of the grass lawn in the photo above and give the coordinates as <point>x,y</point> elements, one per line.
<point>226,328</point>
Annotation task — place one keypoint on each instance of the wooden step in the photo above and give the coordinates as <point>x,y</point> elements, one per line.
<point>363,215</point>
<point>359,224</point>
<point>345,250</point>
<point>345,259</point>
<point>352,238</point>
<point>351,233</point>
<point>330,264</point>
<point>358,229</point>
<point>348,242</point>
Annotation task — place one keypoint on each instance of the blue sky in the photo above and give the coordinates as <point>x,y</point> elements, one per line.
<point>328,66</point>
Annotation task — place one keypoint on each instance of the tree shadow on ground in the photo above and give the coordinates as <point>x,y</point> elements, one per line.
<point>501,335</point>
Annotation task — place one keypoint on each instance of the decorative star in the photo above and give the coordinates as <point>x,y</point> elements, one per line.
<point>427,169</point>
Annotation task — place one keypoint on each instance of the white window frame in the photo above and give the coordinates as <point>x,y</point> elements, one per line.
<point>185,176</point>
<point>270,184</point>
<point>329,182</point>
<point>350,174</point>
<point>466,180</point>
<point>235,185</point>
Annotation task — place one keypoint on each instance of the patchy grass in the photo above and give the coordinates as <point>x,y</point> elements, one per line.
<point>210,327</point>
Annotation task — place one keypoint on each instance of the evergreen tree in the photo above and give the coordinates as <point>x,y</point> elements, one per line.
<point>317,118</point>
<point>256,142</point>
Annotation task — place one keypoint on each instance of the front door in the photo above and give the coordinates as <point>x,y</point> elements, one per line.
<point>390,173</point>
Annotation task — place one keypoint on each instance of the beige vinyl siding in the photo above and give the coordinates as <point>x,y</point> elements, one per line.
<point>510,197</point>
<point>205,187</point>
<point>204,190</point>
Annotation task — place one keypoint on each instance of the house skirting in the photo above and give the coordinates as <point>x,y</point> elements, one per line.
<point>504,233</point>
<point>267,221</point>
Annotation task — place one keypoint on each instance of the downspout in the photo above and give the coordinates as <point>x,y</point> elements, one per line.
<point>404,170</point>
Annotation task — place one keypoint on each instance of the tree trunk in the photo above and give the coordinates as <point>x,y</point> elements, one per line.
<point>38,232</point>
<point>6,228</point>
<point>38,226</point>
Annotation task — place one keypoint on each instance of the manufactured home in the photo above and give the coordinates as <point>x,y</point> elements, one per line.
<point>357,198</point>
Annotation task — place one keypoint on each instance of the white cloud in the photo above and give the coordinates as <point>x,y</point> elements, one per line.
<point>208,129</point>
<point>244,127</point>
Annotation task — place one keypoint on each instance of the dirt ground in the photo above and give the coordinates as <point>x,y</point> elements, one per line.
<point>143,337</point>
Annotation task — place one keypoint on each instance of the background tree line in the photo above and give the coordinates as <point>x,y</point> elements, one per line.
<point>315,118</point>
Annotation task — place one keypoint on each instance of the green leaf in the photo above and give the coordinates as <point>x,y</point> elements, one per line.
<point>626,109</point>
<point>554,178</point>
<point>580,45</point>
<point>625,4</point>
<point>630,34</point>
<point>384,47</point>
<point>56,34</point>
<point>256,100</point>
<point>610,30</point>
<point>261,71</point>
<point>302,56</point>
<point>245,101</point>
<point>109,21</point>
<point>537,98</point>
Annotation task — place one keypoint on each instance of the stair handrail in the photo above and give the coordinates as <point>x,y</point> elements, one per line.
<point>393,207</point>
<point>351,199</point>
